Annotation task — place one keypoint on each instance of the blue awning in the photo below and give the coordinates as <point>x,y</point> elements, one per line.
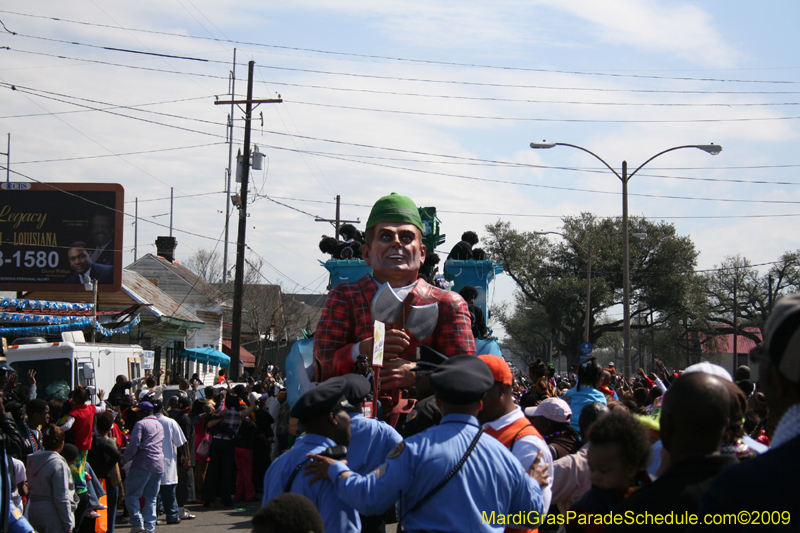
<point>208,355</point>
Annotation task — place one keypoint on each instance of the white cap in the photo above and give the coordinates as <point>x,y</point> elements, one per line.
<point>709,368</point>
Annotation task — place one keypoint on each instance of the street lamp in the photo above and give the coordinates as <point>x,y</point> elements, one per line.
<point>588,275</point>
<point>712,149</point>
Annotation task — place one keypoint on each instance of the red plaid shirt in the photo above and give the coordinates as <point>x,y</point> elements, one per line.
<point>347,319</point>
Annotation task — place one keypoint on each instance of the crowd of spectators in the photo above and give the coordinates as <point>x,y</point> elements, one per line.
<point>82,462</point>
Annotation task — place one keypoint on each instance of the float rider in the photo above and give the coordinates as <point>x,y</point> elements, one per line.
<point>393,248</point>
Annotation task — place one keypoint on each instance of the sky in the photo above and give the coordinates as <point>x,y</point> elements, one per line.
<point>435,100</point>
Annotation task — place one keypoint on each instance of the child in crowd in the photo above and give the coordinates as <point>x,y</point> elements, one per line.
<point>618,453</point>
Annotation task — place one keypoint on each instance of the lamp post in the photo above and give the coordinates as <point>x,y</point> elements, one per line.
<point>588,275</point>
<point>712,149</point>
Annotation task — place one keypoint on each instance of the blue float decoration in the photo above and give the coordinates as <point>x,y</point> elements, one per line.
<point>77,323</point>
<point>44,305</point>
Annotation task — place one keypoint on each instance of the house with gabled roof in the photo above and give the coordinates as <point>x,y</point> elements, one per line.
<point>199,297</point>
<point>164,324</point>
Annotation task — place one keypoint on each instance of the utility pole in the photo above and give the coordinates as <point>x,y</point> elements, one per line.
<point>238,284</point>
<point>94,311</point>
<point>735,322</point>
<point>228,172</point>
<point>337,222</point>
<point>136,230</point>
<point>8,159</point>
<point>769,295</point>
<point>171,199</point>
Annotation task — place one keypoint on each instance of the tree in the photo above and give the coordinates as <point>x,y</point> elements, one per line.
<point>268,316</point>
<point>206,264</point>
<point>552,274</point>
<point>527,326</point>
<point>755,293</point>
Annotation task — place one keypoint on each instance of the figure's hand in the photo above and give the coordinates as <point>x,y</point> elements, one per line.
<point>101,393</point>
<point>318,467</point>
<point>394,344</point>
<point>539,472</point>
<point>641,372</point>
<point>396,374</point>
<point>12,381</point>
<point>32,377</point>
<point>161,372</point>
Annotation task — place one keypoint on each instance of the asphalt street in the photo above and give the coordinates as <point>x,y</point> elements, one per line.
<point>218,518</point>
<point>210,519</point>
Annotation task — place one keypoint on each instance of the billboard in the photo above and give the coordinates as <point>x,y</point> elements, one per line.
<point>61,236</point>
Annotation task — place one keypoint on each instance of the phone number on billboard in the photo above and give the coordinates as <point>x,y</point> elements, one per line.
<point>30,259</point>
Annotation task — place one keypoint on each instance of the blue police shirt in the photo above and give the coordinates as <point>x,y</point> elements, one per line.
<point>490,483</point>
<point>371,441</point>
<point>338,516</point>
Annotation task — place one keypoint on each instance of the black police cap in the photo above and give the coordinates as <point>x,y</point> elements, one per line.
<point>356,388</point>
<point>428,359</point>
<point>327,397</point>
<point>462,380</point>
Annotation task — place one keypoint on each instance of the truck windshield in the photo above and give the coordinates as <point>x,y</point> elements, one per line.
<point>52,377</point>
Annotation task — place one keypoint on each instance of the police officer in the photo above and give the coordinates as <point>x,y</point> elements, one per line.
<point>425,413</point>
<point>371,440</point>
<point>447,476</point>
<point>322,411</point>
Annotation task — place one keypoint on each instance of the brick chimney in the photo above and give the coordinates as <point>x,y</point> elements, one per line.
<point>165,247</point>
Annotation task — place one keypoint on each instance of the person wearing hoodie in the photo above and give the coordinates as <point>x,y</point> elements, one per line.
<point>51,499</point>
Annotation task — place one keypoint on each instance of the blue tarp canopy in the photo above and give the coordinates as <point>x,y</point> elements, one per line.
<point>208,355</point>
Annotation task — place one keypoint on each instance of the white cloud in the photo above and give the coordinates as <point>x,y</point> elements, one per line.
<point>667,27</point>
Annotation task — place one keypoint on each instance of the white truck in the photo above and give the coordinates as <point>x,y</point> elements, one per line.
<point>62,366</point>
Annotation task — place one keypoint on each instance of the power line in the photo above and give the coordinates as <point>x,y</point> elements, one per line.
<point>537,215</point>
<point>141,201</point>
<point>510,164</point>
<point>553,187</point>
<point>56,188</point>
<point>513,86</point>
<point>34,92</point>
<point>456,97</point>
<point>111,49</point>
<point>100,156</point>
<point>539,119</point>
<point>292,208</point>
<point>475,160</point>
<point>423,80</point>
<point>614,74</point>
<point>529,101</point>
<point>108,63</point>
<point>131,106</point>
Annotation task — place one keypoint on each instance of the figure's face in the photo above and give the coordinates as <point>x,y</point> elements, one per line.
<point>609,470</point>
<point>101,229</point>
<point>79,260</point>
<point>396,253</point>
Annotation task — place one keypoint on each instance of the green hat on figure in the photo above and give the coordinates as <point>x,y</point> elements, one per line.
<point>395,208</point>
